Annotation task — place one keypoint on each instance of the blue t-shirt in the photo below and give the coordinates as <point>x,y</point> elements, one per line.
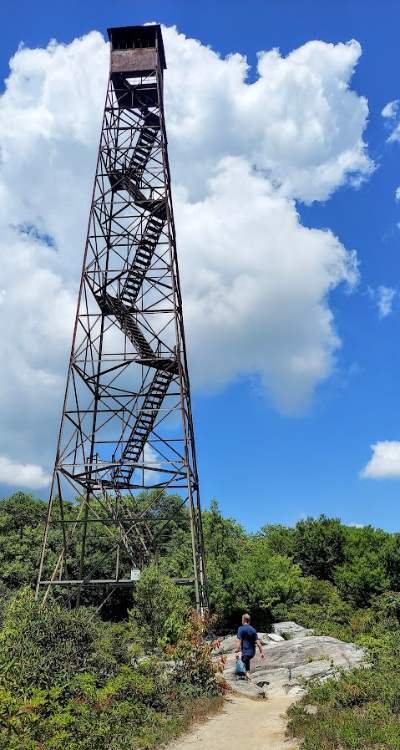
<point>248,636</point>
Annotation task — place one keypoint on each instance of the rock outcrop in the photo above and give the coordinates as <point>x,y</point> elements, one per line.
<point>290,662</point>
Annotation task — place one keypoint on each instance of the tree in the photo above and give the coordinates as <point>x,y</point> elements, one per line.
<point>280,539</point>
<point>265,584</point>
<point>225,542</point>
<point>21,533</point>
<point>361,579</point>
<point>359,539</point>
<point>390,555</point>
<point>319,546</point>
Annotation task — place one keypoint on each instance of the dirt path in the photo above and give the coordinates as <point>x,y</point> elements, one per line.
<point>255,725</point>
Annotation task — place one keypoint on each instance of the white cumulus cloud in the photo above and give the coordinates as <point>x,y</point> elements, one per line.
<point>390,109</point>
<point>18,475</point>
<point>391,113</point>
<point>384,462</point>
<point>384,297</point>
<point>299,122</point>
<point>250,305</point>
<point>256,282</point>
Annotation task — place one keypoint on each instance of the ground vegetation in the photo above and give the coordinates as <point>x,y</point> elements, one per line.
<point>141,667</point>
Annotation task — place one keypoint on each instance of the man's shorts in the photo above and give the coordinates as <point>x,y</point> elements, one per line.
<point>246,661</point>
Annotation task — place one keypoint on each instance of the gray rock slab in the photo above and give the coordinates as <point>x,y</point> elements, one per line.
<point>249,689</point>
<point>275,637</point>
<point>291,629</point>
<point>299,652</point>
<point>288,665</point>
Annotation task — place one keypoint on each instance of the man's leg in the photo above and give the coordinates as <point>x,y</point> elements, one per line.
<point>246,661</point>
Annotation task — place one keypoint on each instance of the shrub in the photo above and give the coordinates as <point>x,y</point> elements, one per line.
<point>71,682</point>
<point>43,645</point>
<point>360,709</point>
<point>160,610</point>
<point>194,671</point>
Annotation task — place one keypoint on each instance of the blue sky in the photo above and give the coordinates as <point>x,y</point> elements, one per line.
<point>264,466</point>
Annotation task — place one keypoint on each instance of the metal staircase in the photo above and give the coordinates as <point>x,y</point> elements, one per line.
<point>145,141</point>
<point>116,307</point>
<point>142,260</point>
<point>123,307</point>
<point>143,426</point>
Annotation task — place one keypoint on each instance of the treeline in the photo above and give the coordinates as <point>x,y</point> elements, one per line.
<point>319,571</point>
<point>70,680</point>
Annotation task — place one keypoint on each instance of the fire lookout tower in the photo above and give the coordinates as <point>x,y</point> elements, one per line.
<point>126,426</point>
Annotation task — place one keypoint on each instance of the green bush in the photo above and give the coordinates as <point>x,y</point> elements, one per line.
<point>43,645</point>
<point>360,708</point>
<point>69,681</point>
<point>160,610</point>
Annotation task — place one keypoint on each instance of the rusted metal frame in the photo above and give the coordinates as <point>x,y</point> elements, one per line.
<point>91,508</point>
<point>106,391</point>
<point>65,547</point>
<point>92,446</point>
<point>119,519</point>
<point>151,504</point>
<point>58,563</point>
<point>168,412</point>
<point>86,343</point>
<point>113,413</point>
<point>162,455</point>
<point>82,415</point>
<point>118,366</point>
<point>124,536</point>
<point>198,517</point>
<point>183,504</point>
<point>125,231</point>
<point>87,578</point>
<point>199,572</point>
<point>156,284</point>
<point>155,337</point>
<point>80,431</point>
<point>51,500</point>
<point>86,378</point>
<point>77,425</point>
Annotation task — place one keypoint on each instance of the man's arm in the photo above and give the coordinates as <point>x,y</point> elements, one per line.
<point>238,646</point>
<point>260,647</point>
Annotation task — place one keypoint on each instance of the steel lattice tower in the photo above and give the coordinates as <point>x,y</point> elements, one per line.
<point>127,423</point>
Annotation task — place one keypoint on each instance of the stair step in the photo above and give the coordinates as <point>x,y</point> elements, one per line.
<point>143,256</point>
<point>144,422</point>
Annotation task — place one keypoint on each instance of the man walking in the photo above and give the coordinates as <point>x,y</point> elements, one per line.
<point>247,640</point>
